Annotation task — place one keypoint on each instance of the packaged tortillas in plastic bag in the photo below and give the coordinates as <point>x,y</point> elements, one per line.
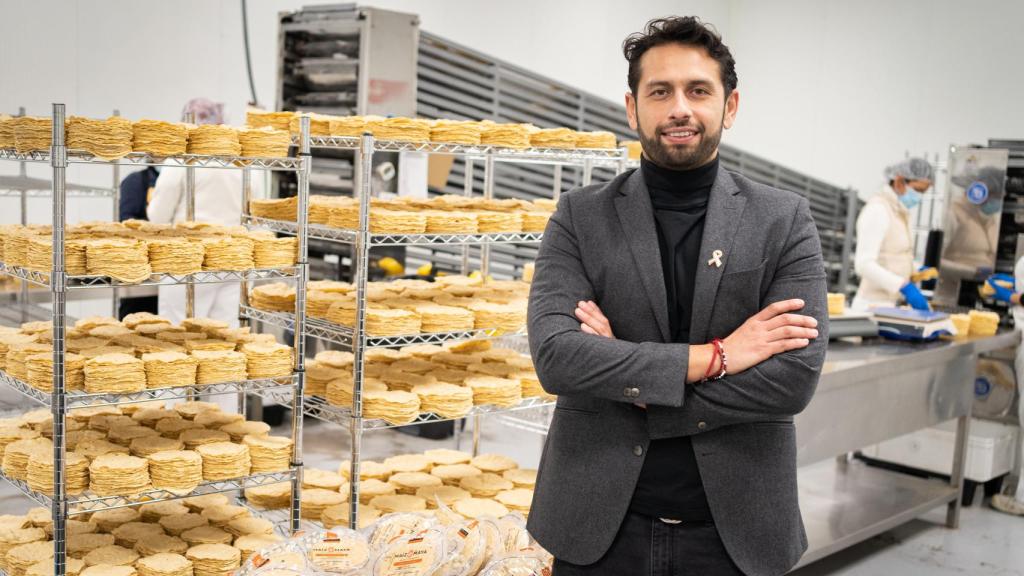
<point>339,551</point>
<point>419,554</point>
<point>514,536</point>
<point>467,549</point>
<point>289,555</point>
<point>392,526</point>
<point>526,562</point>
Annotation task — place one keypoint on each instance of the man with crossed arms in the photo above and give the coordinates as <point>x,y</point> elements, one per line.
<point>679,313</point>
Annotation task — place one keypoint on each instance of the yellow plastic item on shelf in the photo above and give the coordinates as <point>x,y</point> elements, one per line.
<point>633,147</point>
<point>836,304</point>
<point>391,266</point>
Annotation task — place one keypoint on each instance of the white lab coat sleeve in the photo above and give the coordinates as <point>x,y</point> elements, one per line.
<point>1018,286</point>
<point>167,195</point>
<point>1018,364</point>
<point>872,224</point>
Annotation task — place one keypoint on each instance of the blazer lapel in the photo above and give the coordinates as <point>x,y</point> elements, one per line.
<point>725,208</point>
<point>637,218</point>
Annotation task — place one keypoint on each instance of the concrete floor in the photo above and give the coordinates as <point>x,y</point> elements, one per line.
<point>987,544</point>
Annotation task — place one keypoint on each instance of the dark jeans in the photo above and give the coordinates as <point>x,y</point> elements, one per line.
<point>647,546</point>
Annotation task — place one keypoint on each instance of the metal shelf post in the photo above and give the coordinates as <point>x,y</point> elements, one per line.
<point>23,172</point>
<point>115,300</point>
<point>190,216</point>
<point>299,336</point>
<point>243,286</point>
<point>467,191</point>
<point>360,264</point>
<point>58,509</point>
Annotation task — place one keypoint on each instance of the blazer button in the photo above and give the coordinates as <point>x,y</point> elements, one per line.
<point>628,393</point>
<point>638,450</point>
<point>702,425</point>
<point>634,392</point>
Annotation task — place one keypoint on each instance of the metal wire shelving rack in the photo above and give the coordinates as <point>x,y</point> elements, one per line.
<point>42,278</point>
<point>24,187</point>
<point>289,389</point>
<point>323,411</point>
<point>80,399</point>
<point>343,236</point>
<point>88,503</point>
<point>343,335</point>
<point>355,338</point>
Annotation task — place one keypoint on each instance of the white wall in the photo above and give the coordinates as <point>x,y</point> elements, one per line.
<point>148,57</point>
<point>834,89</point>
<point>841,89</point>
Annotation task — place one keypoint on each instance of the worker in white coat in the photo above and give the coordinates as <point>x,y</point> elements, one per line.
<point>218,199</point>
<point>1008,289</point>
<point>885,249</point>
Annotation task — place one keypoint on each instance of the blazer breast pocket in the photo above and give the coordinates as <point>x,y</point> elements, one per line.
<point>738,297</point>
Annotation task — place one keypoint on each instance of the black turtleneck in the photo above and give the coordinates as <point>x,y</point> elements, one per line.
<point>670,485</point>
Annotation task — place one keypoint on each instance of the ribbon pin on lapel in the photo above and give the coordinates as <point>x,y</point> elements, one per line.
<point>716,259</point>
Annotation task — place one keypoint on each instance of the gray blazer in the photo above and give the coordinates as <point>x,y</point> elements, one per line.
<point>602,245</point>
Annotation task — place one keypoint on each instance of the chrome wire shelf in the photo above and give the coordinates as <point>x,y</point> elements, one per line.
<point>321,232</point>
<point>280,396</point>
<point>455,239</point>
<point>47,194</point>
<point>342,335</point>
<point>535,421</point>
<point>11,188</point>
<point>79,399</point>
<point>37,497</point>
<point>204,277</point>
<point>318,408</point>
<point>279,518</point>
<point>571,156</point>
<point>89,502</point>
<point>144,159</point>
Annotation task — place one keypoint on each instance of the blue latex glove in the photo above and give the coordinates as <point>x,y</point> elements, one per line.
<point>1002,294</point>
<point>914,297</point>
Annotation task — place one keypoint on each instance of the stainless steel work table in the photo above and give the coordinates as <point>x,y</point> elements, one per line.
<point>869,392</point>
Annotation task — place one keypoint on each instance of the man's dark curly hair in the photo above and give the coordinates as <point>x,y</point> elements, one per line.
<point>687,30</point>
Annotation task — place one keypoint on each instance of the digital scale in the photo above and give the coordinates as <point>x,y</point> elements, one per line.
<point>851,323</point>
<point>912,325</point>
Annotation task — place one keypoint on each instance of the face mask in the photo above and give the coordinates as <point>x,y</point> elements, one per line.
<point>910,198</point>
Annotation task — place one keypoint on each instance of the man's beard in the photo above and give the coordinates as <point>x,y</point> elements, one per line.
<point>679,157</point>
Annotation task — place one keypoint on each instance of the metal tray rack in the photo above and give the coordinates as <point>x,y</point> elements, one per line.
<point>355,338</point>
<point>287,389</point>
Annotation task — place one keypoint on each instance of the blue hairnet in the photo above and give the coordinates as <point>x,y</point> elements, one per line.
<point>911,169</point>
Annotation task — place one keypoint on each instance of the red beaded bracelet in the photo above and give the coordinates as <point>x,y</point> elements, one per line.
<point>711,364</point>
<point>720,352</point>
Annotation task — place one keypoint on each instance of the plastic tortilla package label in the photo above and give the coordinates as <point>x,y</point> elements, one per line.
<point>393,526</point>
<point>419,554</point>
<point>339,551</point>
